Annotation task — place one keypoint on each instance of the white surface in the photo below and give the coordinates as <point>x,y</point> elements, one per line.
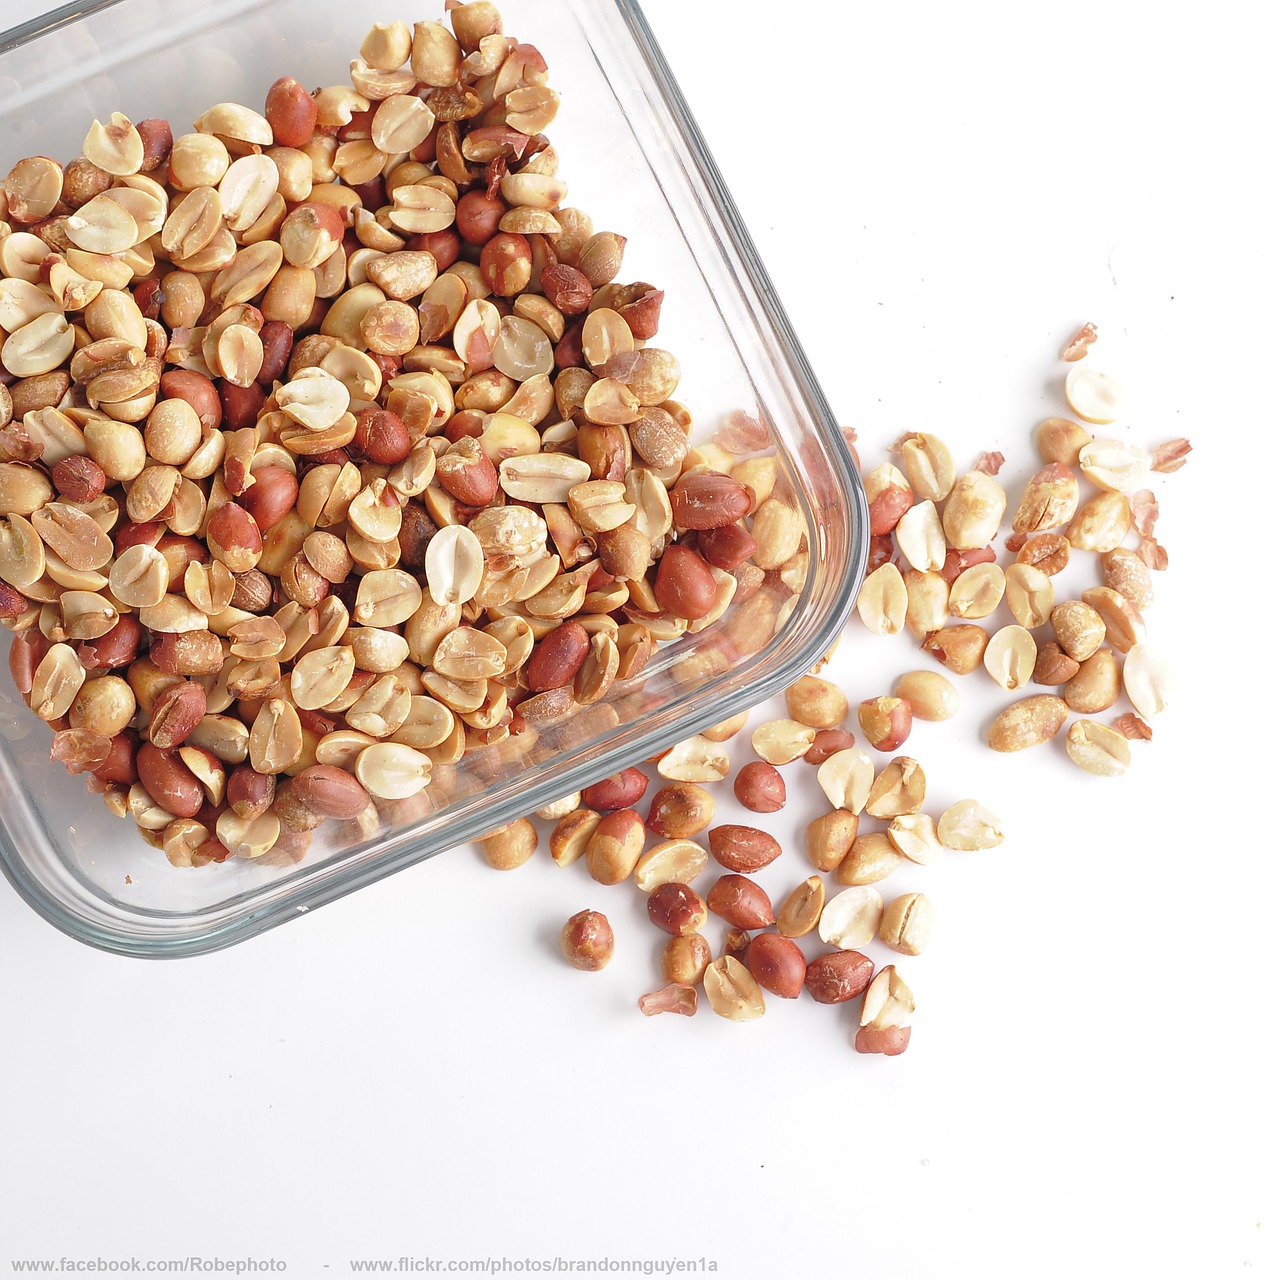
<point>941,194</point>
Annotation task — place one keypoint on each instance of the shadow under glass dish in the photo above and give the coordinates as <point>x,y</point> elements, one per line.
<point>634,160</point>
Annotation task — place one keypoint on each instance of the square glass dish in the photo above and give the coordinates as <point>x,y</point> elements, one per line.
<point>634,159</point>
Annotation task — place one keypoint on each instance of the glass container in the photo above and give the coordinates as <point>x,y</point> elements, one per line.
<point>635,160</point>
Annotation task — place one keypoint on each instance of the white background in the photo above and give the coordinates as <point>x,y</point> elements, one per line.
<point>942,193</point>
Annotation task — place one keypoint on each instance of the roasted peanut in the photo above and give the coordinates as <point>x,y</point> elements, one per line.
<point>930,696</point>
<point>586,941</point>
<point>760,788</point>
<point>742,902</point>
<point>1027,723</point>
<point>800,912</point>
<point>817,703</point>
<point>886,722</point>
<point>679,811</point>
<point>777,964</point>
<point>731,990</point>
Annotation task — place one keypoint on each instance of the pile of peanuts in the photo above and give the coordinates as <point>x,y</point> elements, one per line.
<point>943,528</point>
<point>332,450</point>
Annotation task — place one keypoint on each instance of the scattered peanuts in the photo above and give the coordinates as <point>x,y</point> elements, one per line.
<point>1094,647</point>
<point>1088,649</point>
<point>1091,650</point>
